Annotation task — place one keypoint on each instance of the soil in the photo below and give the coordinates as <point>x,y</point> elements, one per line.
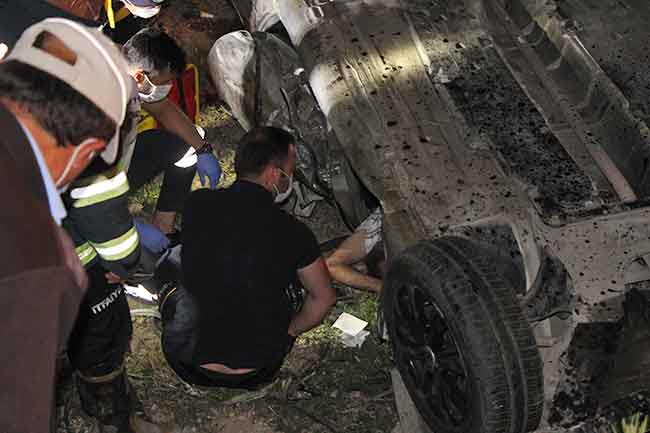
<point>196,25</point>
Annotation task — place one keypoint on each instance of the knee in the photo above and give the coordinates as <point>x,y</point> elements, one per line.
<point>188,160</point>
<point>178,310</point>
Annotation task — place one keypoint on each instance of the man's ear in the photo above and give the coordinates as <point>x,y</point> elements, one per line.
<point>270,176</point>
<point>138,74</point>
<point>83,154</point>
<point>91,147</point>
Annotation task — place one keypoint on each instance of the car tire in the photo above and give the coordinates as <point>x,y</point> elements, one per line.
<point>460,340</point>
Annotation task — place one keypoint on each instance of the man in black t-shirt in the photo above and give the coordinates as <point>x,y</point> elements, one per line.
<point>231,323</point>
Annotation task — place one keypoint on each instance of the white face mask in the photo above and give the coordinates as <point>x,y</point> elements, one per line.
<point>282,196</point>
<point>68,166</point>
<point>141,12</point>
<point>151,93</point>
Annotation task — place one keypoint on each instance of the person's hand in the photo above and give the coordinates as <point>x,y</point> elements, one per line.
<point>151,237</point>
<point>113,278</point>
<point>208,167</point>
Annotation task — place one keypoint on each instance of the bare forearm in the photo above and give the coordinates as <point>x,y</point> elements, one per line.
<point>310,315</point>
<point>348,275</point>
<point>186,130</point>
<point>174,120</point>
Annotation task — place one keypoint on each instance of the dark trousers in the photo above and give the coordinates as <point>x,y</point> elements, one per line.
<point>102,333</point>
<point>97,350</point>
<point>180,332</point>
<point>157,151</point>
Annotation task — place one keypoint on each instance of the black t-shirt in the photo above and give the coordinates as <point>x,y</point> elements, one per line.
<point>240,253</point>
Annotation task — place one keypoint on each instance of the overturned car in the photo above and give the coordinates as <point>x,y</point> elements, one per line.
<point>507,146</point>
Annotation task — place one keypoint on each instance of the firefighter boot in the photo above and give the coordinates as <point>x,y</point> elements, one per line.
<point>106,398</point>
<point>111,400</point>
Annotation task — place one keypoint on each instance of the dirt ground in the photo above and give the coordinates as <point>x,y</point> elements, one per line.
<point>323,386</point>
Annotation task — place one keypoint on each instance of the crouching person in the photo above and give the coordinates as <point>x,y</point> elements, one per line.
<point>168,141</point>
<point>232,322</point>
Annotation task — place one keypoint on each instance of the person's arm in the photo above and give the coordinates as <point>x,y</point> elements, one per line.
<point>349,253</point>
<point>319,300</point>
<point>174,120</point>
<point>101,222</point>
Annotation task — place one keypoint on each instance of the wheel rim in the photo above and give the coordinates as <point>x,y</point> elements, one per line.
<point>430,360</point>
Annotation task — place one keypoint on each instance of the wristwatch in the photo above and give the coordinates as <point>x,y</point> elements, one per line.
<point>206,148</point>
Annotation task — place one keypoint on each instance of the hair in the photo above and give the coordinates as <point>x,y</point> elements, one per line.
<point>62,111</point>
<point>261,147</point>
<point>155,52</point>
<point>98,165</point>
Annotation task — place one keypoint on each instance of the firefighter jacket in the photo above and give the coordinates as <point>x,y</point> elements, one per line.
<point>99,221</point>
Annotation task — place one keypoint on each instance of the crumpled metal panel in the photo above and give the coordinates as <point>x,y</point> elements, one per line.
<point>260,78</point>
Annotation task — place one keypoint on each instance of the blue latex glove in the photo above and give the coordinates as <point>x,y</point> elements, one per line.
<point>151,237</point>
<point>207,165</point>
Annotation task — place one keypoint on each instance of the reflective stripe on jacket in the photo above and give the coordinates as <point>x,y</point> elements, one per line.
<point>100,224</point>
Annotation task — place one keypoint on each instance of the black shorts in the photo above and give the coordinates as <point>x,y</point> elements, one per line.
<point>102,333</point>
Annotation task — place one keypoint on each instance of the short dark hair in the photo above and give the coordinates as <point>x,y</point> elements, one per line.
<point>154,51</point>
<point>62,111</point>
<point>261,147</point>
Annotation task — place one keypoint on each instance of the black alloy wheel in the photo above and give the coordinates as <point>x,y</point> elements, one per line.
<point>460,340</point>
<point>430,355</point>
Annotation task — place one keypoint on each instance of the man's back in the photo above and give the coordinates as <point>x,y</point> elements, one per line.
<point>240,254</point>
<point>38,296</point>
<point>16,16</point>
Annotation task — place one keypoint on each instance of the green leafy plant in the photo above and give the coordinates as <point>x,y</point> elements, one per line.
<point>635,424</point>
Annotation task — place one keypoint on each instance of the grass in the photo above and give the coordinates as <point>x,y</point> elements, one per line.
<point>323,386</point>
<point>347,389</point>
<point>142,203</point>
<point>637,423</point>
<point>223,132</point>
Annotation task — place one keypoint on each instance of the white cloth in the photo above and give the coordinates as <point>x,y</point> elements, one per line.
<point>264,15</point>
<point>372,230</point>
<point>57,210</point>
<point>233,68</point>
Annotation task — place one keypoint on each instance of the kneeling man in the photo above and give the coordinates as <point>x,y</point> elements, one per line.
<point>232,321</point>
